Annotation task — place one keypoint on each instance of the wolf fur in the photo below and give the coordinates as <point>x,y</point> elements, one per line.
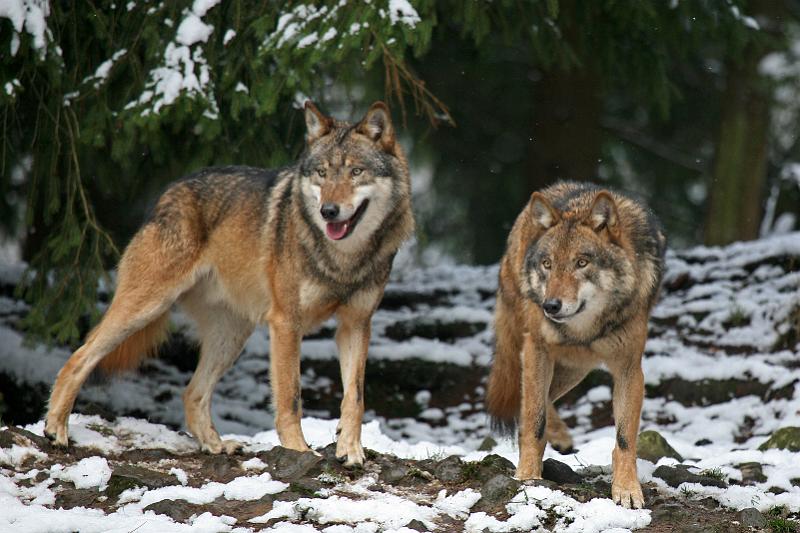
<point>581,273</point>
<point>240,246</point>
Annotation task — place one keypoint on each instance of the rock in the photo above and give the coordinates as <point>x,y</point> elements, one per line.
<point>499,489</point>
<point>222,467</point>
<point>393,473</point>
<point>289,465</point>
<point>651,446</point>
<point>178,510</point>
<point>787,438</point>
<point>559,472</point>
<point>668,512</point>
<point>417,525</point>
<point>490,466</point>
<point>69,498</point>
<point>241,510</point>
<point>306,486</point>
<point>752,517</point>
<point>541,483</point>
<point>487,445</point>
<point>31,439</point>
<point>450,470</point>
<point>674,476</point>
<point>128,476</point>
<point>752,473</point>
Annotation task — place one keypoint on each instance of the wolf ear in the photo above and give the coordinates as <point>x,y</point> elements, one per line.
<point>603,213</point>
<point>377,125</point>
<point>543,212</point>
<point>317,124</point>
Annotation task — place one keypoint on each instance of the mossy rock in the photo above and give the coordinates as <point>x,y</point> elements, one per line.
<point>651,446</point>
<point>787,438</point>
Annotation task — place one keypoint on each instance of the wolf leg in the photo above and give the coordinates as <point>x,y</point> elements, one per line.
<point>129,312</point>
<point>537,372</point>
<point>352,339</point>
<point>223,335</point>
<point>628,397</point>
<point>284,369</point>
<point>564,379</point>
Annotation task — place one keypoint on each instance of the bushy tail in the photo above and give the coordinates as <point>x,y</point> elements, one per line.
<point>139,345</point>
<point>504,388</point>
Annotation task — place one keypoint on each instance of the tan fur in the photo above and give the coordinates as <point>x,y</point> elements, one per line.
<point>235,250</point>
<point>143,343</point>
<point>566,253</point>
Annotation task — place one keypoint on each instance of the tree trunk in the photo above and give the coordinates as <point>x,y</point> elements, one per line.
<point>565,129</point>
<point>740,168</point>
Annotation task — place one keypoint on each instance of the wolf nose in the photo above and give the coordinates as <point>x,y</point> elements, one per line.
<point>552,306</point>
<point>329,211</point>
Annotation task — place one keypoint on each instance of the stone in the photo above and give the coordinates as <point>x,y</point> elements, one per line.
<point>392,473</point>
<point>450,470</point>
<point>222,467</point>
<point>178,510</point>
<point>668,512</point>
<point>289,465</point>
<point>559,472</point>
<point>499,489</point>
<point>487,445</point>
<point>69,498</point>
<point>752,517</point>
<point>306,486</point>
<point>787,438</point>
<point>491,465</point>
<point>651,446</point>
<point>752,473</point>
<point>674,476</point>
<point>417,525</point>
<point>126,477</point>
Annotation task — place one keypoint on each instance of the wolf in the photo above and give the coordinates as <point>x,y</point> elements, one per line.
<point>581,272</point>
<point>240,246</point>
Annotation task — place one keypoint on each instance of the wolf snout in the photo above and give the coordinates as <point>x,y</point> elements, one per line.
<point>329,211</point>
<point>551,306</point>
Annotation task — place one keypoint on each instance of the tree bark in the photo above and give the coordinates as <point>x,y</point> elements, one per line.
<point>740,167</point>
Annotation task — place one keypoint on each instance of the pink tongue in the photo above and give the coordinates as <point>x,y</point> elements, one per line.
<point>336,230</point>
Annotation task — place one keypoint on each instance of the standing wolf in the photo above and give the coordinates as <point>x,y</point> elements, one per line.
<point>240,246</point>
<point>582,271</point>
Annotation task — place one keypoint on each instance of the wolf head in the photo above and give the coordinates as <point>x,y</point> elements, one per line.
<point>352,176</point>
<point>575,270</point>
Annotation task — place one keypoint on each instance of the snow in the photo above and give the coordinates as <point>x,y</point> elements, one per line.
<point>692,338</point>
<point>184,70</point>
<point>30,15</point>
<point>402,11</point>
<point>87,473</point>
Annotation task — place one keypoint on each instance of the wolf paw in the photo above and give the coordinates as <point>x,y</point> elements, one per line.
<point>352,455</point>
<point>59,435</point>
<point>228,447</point>
<point>629,496</point>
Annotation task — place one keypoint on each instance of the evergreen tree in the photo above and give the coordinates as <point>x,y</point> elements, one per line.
<point>104,105</point>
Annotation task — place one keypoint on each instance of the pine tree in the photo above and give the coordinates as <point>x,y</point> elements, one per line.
<point>102,106</point>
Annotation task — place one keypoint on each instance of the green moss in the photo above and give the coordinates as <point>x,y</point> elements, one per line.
<point>787,438</point>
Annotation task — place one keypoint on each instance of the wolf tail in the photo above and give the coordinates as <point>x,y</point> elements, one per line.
<point>139,345</point>
<point>504,388</point>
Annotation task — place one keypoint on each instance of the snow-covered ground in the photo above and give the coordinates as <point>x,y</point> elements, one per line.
<point>721,366</point>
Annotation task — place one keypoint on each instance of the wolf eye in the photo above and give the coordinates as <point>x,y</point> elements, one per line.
<point>321,172</point>
<point>356,171</point>
<point>546,264</point>
<point>582,263</point>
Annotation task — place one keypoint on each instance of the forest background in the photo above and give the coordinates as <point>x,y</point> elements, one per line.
<point>693,105</point>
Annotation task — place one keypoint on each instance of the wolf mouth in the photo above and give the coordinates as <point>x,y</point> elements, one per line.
<point>339,230</point>
<point>564,318</point>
